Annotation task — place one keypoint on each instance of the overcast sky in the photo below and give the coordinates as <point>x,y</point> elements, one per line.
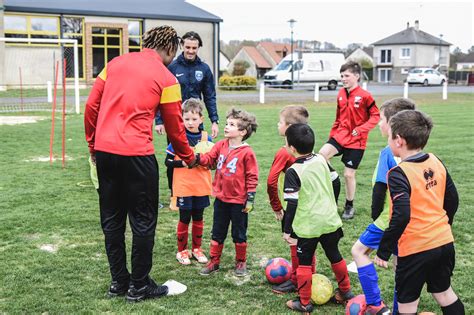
<point>342,22</point>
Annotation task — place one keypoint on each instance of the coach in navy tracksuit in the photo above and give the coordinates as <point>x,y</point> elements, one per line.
<point>195,78</point>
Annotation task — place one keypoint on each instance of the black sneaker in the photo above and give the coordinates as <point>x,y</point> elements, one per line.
<point>342,298</point>
<point>296,305</point>
<point>285,287</point>
<point>348,213</point>
<point>117,289</point>
<point>150,291</point>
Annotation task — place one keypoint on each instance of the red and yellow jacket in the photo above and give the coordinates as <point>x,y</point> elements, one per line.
<point>123,102</point>
<point>356,109</point>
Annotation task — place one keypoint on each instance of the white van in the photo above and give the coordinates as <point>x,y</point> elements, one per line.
<point>320,67</point>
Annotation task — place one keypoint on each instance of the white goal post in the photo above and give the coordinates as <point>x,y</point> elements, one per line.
<point>61,42</point>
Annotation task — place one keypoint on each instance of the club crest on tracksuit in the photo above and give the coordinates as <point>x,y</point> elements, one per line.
<point>198,75</point>
<point>357,101</point>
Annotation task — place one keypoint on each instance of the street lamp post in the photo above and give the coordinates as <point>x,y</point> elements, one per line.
<point>439,57</point>
<point>292,23</point>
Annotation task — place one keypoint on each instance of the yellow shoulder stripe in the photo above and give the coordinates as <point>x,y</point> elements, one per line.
<point>171,94</point>
<point>103,73</point>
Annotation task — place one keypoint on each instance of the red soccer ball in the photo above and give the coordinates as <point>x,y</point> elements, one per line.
<point>356,305</point>
<point>278,270</point>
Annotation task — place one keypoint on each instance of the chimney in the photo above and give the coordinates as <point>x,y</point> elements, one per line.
<point>417,25</point>
<point>408,24</point>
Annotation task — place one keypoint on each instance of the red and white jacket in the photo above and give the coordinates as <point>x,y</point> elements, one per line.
<point>356,109</point>
<point>236,171</point>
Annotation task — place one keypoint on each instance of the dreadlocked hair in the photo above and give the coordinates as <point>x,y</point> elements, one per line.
<point>161,37</point>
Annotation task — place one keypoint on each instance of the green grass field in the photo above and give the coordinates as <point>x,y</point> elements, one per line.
<point>44,204</point>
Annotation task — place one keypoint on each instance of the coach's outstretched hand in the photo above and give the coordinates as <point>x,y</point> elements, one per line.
<point>195,162</point>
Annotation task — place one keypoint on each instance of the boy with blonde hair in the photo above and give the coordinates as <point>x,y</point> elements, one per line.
<point>191,186</point>
<point>234,186</point>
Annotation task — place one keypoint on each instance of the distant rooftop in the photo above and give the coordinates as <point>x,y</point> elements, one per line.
<point>412,35</point>
<point>151,9</point>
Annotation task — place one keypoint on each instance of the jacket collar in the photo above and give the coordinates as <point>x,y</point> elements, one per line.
<point>152,53</point>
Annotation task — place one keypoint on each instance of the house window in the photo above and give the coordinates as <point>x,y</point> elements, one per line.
<point>405,53</point>
<point>134,35</point>
<point>404,71</point>
<point>73,28</point>
<point>35,26</point>
<point>386,56</point>
<point>385,75</point>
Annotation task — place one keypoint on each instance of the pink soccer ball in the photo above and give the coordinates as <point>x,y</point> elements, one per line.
<point>278,270</point>
<point>356,305</point>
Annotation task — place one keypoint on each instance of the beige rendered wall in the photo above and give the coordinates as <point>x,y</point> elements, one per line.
<point>204,29</point>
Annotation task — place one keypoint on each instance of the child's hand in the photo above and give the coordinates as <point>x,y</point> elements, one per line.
<point>279,215</point>
<point>289,239</point>
<point>250,202</point>
<point>380,262</point>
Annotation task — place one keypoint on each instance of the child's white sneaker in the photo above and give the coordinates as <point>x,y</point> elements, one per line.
<point>199,255</point>
<point>183,257</point>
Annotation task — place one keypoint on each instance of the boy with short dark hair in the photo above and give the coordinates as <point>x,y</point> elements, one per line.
<point>234,186</point>
<point>311,214</point>
<point>289,115</point>
<point>192,187</point>
<point>356,115</point>
<point>370,238</point>
<point>424,201</point>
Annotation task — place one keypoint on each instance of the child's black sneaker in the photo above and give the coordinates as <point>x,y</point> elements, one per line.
<point>285,287</point>
<point>342,297</point>
<point>211,267</point>
<point>296,305</point>
<point>348,213</point>
<point>150,291</point>
<point>117,289</point>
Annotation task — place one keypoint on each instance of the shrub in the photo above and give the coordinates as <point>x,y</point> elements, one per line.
<point>240,67</point>
<point>237,83</point>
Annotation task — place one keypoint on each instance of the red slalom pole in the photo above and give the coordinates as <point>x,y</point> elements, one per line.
<point>21,90</point>
<point>51,138</point>
<point>64,117</point>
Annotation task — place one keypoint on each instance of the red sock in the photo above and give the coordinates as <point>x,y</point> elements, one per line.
<point>313,264</point>
<point>241,251</point>
<point>182,235</point>
<point>305,277</point>
<point>198,227</point>
<point>216,252</point>
<point>294,263</point>
<point>342,277</point>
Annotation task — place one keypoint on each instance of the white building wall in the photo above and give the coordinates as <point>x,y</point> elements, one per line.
<point>204,29</point>
<point>2,50</point>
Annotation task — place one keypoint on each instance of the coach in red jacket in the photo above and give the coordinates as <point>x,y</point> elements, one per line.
<point>356,115</point>
<point>118,123</point>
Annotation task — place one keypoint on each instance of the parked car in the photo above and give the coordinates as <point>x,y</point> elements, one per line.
<point>425,76</point>
<point>309,68</point>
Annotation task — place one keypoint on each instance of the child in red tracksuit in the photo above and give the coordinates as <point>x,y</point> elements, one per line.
<point>356,115</point>
<point>291,114</point>
<point>234,186</point>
